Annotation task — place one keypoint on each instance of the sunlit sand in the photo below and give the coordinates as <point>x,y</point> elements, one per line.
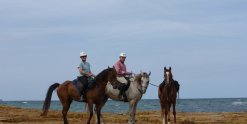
<point>32,116</point>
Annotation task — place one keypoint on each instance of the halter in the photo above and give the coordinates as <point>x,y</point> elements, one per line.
<point>140,90</point>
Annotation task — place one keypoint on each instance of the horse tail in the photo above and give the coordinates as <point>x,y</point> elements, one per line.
<point>47,101</point>
<point>178,91</point>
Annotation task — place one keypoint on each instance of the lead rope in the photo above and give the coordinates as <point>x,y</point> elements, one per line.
<point>154,85</point>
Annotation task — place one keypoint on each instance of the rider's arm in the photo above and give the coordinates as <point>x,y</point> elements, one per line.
<point>82,72</point>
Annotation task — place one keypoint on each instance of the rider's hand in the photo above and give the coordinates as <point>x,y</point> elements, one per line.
<point>89,74</point>
<point>129,73</point>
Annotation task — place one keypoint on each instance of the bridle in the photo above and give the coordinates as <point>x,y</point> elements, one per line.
<point>141,87</point>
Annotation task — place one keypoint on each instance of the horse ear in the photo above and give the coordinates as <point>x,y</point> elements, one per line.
<point>149,73</point>
<point>113,68</point>
<point>165,68</point>
<point>170,68</point>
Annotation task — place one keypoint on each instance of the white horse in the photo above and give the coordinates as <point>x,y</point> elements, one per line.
<point>137,88</point>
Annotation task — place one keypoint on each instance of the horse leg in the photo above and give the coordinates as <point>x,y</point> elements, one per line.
<point>101,118</point>
<point>165,109</point>
<point>165,116</point>
<point>174,112</point>
<point>169,112</point>
<point>90,107</point>
<point>164,112</point>
<point>66,106</point>
<point>132,107</point>
<point>134,111</point>
<point>98,111</point>
<point>103,103</point>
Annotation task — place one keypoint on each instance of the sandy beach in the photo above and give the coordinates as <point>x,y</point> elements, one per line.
<point>32,116</point>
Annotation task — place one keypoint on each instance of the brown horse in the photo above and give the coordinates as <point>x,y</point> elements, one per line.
<point>67,92</point>
<point>167,92</point>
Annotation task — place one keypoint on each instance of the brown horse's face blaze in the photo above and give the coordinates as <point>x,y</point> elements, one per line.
<point>167,73</point>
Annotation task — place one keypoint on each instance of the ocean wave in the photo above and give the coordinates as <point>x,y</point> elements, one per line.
<point>239,103</point>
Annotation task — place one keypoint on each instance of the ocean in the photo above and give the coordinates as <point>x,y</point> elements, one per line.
<point>183,105</point>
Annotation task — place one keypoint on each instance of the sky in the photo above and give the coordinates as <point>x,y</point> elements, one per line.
<point>203,41</point>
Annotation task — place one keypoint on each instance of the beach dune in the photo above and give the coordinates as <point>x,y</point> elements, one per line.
<point>10,115</point>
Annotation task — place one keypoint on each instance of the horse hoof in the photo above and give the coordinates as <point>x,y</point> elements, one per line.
<point>131,122</point>
<point>43,114</point>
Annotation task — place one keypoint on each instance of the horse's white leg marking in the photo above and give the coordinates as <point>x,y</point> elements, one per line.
<point>134,111</point>
<point>164,121</point>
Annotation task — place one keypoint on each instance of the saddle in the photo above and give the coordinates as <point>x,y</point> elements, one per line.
<point>122,88</point>
<point>83,84</point>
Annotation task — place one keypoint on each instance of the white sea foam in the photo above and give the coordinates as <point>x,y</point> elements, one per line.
<point>239,103</point>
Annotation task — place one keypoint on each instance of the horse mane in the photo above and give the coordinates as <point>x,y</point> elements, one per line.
<point>139,76</point>
<point>101,76</point>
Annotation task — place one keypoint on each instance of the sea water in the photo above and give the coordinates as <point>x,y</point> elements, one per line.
<point>183,105</point>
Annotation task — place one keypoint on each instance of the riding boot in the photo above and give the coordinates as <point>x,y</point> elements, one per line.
<point>83,80</point>
<point>80,86</point>
<point>122,88</point>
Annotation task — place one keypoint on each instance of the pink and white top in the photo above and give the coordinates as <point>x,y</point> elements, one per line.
<point>120,68</point>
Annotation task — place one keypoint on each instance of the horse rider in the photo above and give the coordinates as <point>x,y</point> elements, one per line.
<point>85,75</point>
<point>122,75</point>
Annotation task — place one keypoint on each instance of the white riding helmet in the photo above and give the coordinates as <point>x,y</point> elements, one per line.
<point>122,54</point>
<point>83,53</point>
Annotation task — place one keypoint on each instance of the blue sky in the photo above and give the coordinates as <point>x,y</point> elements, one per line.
<point>204,41</point>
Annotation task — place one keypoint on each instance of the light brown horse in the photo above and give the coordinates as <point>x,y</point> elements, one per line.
<point>67,92</point>
<point>167,92</point>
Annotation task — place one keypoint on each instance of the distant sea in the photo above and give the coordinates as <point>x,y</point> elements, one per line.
<point>183,105</point>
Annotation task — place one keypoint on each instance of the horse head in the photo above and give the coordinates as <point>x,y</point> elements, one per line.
<point>143,80</point>
<point>112,75</point>
<point>168,74</point>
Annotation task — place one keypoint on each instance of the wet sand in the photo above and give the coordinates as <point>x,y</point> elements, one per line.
<point>10,115</point>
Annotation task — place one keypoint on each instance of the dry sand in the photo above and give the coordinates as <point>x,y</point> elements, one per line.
<point>10,115</point>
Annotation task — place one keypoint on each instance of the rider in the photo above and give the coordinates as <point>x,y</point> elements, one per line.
<point>122,74</point>
<point>85,74</point>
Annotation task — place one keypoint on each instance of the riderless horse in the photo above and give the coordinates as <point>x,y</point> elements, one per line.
<point>138,86</point>
<point>167,92</point>
<point>67,92</point>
